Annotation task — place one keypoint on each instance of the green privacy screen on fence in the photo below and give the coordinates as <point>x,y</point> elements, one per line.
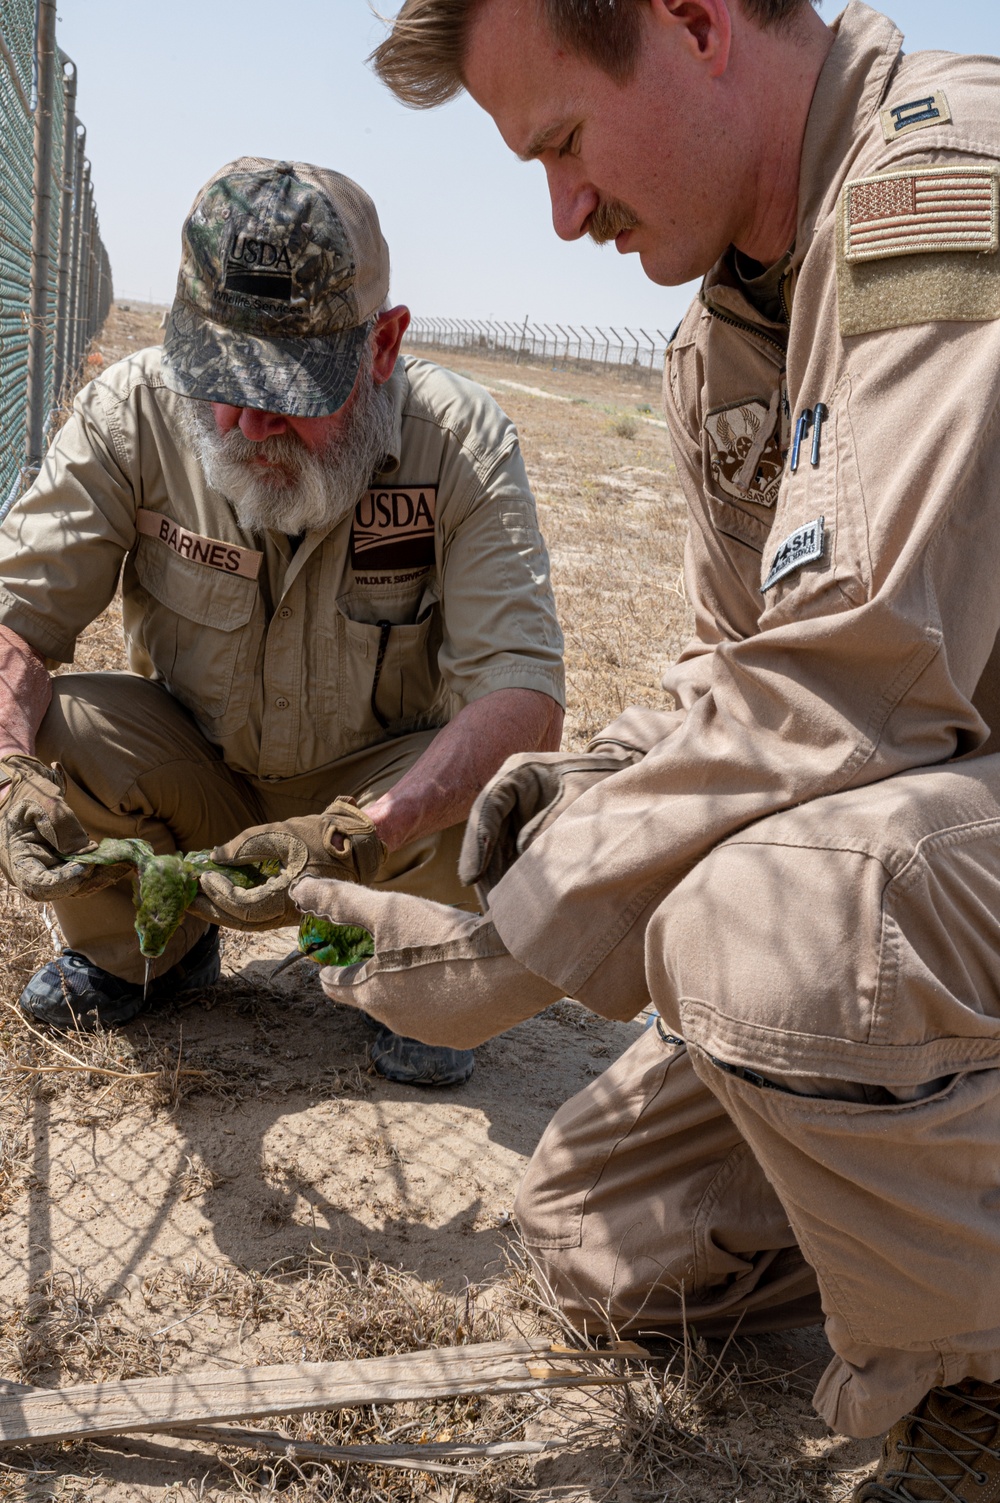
<point>55,279</point>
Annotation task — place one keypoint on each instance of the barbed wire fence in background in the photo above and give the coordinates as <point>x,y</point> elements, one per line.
<point>634,354</point>
<point>55,276</point>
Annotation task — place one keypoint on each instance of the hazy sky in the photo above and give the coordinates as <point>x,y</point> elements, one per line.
<point>170,91</point>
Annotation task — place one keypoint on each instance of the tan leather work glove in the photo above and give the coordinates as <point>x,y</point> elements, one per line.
<point>438,975</point>
<point>341,843</point>
<point>529,792</point>
<point>38,830</point>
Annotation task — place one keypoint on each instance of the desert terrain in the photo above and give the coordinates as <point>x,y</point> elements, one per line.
<point>225,1182</point>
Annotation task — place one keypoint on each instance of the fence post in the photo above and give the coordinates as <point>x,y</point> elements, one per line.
<point>65,229</point>
<point>41,220</point>
<point>86,228</point>
<point>524,335</point>
<point>73,355</point>
<point>92,279</point>
<point>81,270</point>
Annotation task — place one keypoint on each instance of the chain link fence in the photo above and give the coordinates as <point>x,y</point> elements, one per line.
<point>637,354</point>
<point>55,276</point>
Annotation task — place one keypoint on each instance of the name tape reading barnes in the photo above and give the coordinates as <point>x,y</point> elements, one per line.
<point>228,558</point>
<point>394,529</point>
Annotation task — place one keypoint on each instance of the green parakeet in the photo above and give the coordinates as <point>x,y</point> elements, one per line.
<point>165,886</point>
<point>329,944</point>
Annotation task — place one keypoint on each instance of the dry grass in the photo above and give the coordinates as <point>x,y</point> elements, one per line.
<point>318,1309</point>
<point>678,1432</point>
<point>704,1424</point>
<point>625,426</point>
<point>615,523</point>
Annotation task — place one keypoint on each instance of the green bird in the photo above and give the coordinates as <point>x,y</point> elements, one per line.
<point>165,886</point>
<point>328,944</point>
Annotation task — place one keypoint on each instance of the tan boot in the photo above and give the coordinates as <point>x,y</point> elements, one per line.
<point>946,1451</point>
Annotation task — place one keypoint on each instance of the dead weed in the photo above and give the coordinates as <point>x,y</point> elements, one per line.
<point>702,1423</point>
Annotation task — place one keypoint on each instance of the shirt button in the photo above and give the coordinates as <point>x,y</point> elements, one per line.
<point>281,703</point>
<point>284,613</point>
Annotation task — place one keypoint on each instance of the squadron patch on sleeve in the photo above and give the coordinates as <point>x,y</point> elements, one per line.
<point>803,546</point>
<point>919,246</point>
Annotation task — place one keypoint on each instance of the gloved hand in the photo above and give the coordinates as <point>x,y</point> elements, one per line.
<point>341,843</point>
<point>438,975</point>
<point>529,792</point>
<point>38,829</point>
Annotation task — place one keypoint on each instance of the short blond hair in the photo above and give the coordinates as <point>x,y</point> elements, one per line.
<point>422,58</point>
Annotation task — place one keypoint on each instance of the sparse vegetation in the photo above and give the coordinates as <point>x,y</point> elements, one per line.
<point>226,1182</point>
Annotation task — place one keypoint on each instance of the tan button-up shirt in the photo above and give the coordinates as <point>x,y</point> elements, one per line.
<point>438,584</point>
<point>848,610</point>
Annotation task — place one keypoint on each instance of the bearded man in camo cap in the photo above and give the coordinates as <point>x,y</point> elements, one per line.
<point>336,605</point>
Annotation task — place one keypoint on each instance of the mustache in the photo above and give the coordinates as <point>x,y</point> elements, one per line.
<point>609,219</point>
<point>285,450</point>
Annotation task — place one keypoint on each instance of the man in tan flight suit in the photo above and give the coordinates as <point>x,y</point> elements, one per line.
<point>334,592</point>
<point>800,864</point>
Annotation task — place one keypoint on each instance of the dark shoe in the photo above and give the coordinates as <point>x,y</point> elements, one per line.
<point>412,1063</point>
<point>71,992</point>
<point>946,1451</point>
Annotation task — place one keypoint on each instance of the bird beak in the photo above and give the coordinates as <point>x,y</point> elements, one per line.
<point>289,960</point>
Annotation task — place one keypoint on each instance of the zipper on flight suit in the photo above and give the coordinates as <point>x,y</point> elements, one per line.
<point>744,327</point>
<point>748,328</point>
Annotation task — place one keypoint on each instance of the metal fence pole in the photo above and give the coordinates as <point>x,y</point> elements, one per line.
<point>73,341</point>
<point>524,333</point>
<point>83,306</point>
<point>498,339</point>
<point>55,277</point>
<point>92,270</point>
<point>45,53</point>
<point>65,229</point>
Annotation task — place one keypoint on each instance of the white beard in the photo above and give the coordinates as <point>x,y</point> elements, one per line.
<point>306,490</point>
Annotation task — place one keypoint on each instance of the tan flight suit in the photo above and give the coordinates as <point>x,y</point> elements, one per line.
<point>272,678</point>
<point>803,872</point>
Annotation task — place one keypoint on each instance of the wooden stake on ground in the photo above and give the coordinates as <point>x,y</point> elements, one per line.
<point>212,1395</point>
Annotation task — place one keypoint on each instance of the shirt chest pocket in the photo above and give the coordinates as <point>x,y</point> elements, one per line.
<point>389,678</point>
<point>200,631</point>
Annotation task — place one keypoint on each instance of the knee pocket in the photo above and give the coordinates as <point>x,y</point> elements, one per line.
<point>768,939</point>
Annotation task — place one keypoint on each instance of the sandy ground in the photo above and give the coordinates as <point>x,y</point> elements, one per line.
<point>264,1196</point>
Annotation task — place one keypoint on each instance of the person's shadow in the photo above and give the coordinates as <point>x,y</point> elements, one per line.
<point>289,1142</point>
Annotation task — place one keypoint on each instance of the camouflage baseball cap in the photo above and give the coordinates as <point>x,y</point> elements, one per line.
<point>282,267</point>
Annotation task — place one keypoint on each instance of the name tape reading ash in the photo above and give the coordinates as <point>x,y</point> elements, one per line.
<point>805,545</point>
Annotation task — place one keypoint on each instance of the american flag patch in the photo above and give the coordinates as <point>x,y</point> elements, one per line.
<point>926,209</point>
